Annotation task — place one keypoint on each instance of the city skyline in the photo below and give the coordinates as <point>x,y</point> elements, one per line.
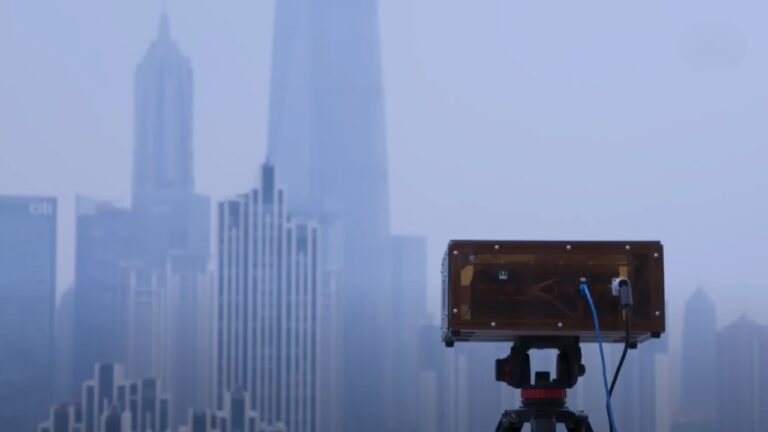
<point>152,277</point>
<point>232,95</point>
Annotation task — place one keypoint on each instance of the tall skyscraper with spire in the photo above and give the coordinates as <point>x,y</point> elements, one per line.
<point>140,279</point>
<point>327,142</point>
<point>162,160</point>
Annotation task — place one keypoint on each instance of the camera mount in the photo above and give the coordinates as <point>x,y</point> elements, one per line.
<point>543,401</point>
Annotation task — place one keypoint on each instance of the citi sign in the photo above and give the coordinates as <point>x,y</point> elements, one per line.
<point>42,208</point>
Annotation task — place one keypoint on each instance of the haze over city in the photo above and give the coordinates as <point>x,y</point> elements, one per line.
<point>501,120</point>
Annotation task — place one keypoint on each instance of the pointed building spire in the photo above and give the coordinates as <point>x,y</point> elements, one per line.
<point>164,31</point>
<point>163,157</point>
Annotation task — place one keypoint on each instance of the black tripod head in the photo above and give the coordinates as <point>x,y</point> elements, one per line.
<point>543,401</point>
<point>515,369</point>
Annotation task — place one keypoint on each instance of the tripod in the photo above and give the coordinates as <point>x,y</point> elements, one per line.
<point>543,402</point>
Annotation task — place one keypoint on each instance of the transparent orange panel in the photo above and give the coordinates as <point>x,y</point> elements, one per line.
<point>519,287</point>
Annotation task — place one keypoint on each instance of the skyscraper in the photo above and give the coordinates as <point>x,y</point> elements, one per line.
<point>162,160</point>
<point>409,305</point>
<point>327,141</point>
<point>742,377</point>
<point>108,239</point>
<point>175,222</point>
<point>267,338</point>
<point>188,300</point>
<point>27,295</point>
<point>141,271</point>
<point>698,392</point>
<point>173,217</point>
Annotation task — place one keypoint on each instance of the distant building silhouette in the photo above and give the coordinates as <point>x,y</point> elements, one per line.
<point>173,216</point>
<point>27,298</point>
<point>636,393</point>
<point>457,387</point>
<point>62,419</point>
<point>698,371</point>
<point>742,377</point>
<point>431,371</point>
<point>327,141</point>
<point>268,338</point>
<point>141,289</point>
<point>108,238</point>
<point>110,403</point>
<point>168,323</point>
<point>162,160</point>
<point>175,228</point>
<point>235,416</point>
<point>407,313</point>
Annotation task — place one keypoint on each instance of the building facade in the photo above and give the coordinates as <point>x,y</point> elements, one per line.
<point>742,377</point>
<point>327,141</point>
<point>27,298</point>
<point>267,314</point>
<point>108,240</point>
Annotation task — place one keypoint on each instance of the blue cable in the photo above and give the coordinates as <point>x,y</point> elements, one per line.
<point>585,289</point>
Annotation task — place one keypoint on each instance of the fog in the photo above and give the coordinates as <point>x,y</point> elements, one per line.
<point>580,121</point>
<point>504,120</point>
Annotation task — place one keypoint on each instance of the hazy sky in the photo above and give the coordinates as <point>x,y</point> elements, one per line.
<point>506,119</point>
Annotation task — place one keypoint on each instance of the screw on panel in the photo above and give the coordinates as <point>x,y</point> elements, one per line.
<point>655,254</point>
<point>496,247</point>
<point>627,247</point>
<point>455,311</point>
<point>658,313</point>
<point>455,252</point>
<point>560,325</point>
<point>493,324</point>
<point>568,247</point>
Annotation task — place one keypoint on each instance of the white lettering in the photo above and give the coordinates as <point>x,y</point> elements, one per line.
<point>42,208</point>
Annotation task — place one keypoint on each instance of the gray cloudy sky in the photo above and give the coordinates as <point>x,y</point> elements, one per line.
<point>506,119</point>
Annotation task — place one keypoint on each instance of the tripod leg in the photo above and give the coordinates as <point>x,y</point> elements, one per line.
<point>509,422</point>
<point>575,422</point>
<point>582,424</point>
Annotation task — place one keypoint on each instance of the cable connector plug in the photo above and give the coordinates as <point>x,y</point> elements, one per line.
<point>623,289</point>
<point>583,286</point>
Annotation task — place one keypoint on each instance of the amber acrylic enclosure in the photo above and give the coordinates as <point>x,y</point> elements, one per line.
<point>501,290</point>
